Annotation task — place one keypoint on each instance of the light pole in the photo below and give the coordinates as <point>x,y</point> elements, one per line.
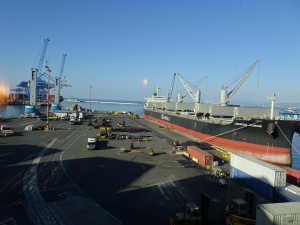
<point>90,99</point>
<point>48,93</point>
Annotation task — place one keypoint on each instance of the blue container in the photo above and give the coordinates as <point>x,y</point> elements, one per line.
<point>292,116</point>
<point>55,107</point>
<point>29,108</point>
<point>257,186</point>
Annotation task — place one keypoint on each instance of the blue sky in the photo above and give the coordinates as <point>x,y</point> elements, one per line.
<point>114,45</point>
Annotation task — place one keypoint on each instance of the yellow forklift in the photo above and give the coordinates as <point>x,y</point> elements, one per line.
<point>105,132</point>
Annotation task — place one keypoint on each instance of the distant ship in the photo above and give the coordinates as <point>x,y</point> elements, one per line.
<point>259,132</point>
<point>290,110</point>
<point>73,100</point>
<point>290,113</point>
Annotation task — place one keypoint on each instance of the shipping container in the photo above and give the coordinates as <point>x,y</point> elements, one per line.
<point>266,172</point>
<point>200,156</point>
<point>292,176</point>
<point>255,185</point>
<point>278,214</point>
<point>292,188</point>
<point>290,193</point>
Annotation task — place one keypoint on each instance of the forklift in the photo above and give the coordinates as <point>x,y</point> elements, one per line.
<point>192,214</point>
<point>105,132</point>
<point>240,211</point>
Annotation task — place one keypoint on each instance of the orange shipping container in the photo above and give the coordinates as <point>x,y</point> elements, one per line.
<point>200,156</point>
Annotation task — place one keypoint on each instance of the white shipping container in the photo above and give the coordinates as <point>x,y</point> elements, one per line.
<point>266,172</point>
<point>292,188</point>
<point>278,214</point>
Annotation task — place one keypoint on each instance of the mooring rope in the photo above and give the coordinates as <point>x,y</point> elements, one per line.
<point>288,139</point>
<point>210,138</point>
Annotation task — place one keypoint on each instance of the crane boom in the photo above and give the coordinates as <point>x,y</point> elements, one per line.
<point>62,66</point>
<point>58,80</point>
<point>200,81</point>
<point>187,87</point>
<point>42,57</point>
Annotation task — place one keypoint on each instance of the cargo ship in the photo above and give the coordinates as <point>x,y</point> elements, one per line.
<point>259,132</point>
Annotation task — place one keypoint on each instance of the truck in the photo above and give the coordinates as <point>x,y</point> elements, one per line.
<point>74,120</point>
<point>6,131</point>
<point>92,143</point>
<point>219,174</point>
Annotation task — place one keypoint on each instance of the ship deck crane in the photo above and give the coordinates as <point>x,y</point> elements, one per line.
<point>171,88</point>
<point>194,96</point>
<point>225,95</point>
<point>187,87</point>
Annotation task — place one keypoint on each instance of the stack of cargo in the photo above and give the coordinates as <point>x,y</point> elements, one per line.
<point>200,156</point>
<point>259,176</point>
<point>278,213</point>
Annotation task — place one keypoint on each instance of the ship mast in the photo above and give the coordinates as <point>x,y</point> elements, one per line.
<point>272,99</point>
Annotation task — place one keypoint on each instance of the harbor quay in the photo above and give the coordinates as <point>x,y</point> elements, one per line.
<point>49,176</point>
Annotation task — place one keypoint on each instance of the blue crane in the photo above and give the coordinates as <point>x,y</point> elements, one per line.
<point>42,58</point>
<point>36,82</point>
<point>62,66</point>
<point>59,82</point>
<point>40,81</point>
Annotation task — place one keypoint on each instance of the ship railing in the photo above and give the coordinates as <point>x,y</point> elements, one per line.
<point>220,121</point>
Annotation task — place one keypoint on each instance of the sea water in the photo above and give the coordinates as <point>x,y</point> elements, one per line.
<point>296,151</point>
<point>123,106</point>
<point>101,105</point>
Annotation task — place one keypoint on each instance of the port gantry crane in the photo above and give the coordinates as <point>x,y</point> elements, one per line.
<point>59,81</point>
<point>36,74</point>
<point>37,86</point>
<point>225,95</point>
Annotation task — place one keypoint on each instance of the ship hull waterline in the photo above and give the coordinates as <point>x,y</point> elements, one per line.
<point>278,153</point>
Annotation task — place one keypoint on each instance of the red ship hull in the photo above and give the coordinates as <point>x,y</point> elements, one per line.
<point>268,153</point>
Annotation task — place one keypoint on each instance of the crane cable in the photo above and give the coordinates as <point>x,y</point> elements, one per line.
<point>288,140</point>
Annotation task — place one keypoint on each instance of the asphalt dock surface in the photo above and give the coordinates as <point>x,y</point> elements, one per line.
<point>49,177</point>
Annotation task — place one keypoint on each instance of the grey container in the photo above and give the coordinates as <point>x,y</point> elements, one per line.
<point>278,214</point>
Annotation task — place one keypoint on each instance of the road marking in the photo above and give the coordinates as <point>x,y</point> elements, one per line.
<point>62,166</point>
<point>22,124</point>
<point>36,203</point>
